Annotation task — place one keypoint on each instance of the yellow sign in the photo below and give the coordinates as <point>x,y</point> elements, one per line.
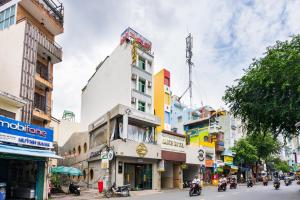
<point>141,150</point>
<point>104,164</point>
<point>228,160</point>
<point>134,52</point>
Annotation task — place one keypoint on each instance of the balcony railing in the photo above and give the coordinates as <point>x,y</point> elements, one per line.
<point>55,8</point>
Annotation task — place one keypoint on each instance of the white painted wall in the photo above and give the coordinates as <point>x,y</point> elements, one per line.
<point>65,130</point>
<point>111,85</point>
<point>5,106</point>
<point>11,54</point>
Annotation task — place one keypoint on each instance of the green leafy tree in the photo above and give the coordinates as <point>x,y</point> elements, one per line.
<point>281,165</point>
<point>245,152</point>
<point>267,97</point>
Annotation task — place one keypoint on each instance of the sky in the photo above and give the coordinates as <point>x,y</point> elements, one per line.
<point>227,35</point>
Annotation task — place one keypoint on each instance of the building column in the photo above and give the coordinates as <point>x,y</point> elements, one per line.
<point>125,126</point>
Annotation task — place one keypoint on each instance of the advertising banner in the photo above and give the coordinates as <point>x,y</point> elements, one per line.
<point>228,160</point>
<point>26,134</point>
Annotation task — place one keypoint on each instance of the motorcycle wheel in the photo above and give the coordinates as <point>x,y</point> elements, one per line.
<point>199,192</point>
<point>77,193</point>
<point>108,194</point>
<point>191,192</point>
<point>127,194</point>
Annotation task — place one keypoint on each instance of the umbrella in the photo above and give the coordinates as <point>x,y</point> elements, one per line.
<point>71,171</point>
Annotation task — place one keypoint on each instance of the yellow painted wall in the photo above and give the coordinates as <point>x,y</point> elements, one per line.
<point>159,99</point>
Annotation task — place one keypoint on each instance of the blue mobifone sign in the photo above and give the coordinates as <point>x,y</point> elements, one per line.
<point>26,134</point>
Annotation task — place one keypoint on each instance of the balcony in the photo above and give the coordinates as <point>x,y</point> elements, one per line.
<point>42,82</point>
<point>50,13</point>
<point>40,114</point>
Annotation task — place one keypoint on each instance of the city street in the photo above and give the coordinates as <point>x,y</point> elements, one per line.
<point>258,192</point>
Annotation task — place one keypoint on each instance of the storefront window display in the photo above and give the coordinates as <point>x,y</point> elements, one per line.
<point>139,176</point>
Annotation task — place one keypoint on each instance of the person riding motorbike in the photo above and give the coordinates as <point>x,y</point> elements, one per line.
<point>276,182</point>
<point>265,180</point>
<point>196,181</point>
<point>195,187</point>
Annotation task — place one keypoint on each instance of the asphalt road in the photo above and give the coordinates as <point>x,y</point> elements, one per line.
<point>258,192</point>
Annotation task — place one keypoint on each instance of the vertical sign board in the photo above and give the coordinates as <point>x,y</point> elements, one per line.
<point>18,132</point>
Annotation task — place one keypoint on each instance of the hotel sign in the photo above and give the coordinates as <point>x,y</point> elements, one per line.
<point>18,132</point>
<point>171,142</point>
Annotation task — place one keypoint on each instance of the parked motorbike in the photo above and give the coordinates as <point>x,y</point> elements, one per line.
<point>74,189</point>
<point>233,183</point>
<point>195,189</point>
<point>265,181</point>
<point>249,183</point>
<point>287,181</point>
<point>222,186</point>
<point>276,184</point>
<point>120,191</point>
<point>187,184</point>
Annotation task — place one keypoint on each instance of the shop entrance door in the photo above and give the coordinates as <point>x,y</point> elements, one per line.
<point>176,175</point>
<point>139,176</point>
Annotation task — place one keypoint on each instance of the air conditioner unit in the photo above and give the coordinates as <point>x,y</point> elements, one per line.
<point>133,77</point>
<point>133,100</point>
<point>149,84</point>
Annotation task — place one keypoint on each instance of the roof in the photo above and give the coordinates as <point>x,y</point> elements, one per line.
<point>7,149</point>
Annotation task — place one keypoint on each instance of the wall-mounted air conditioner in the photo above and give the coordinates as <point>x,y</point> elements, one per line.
<point>133,100</point>
<point>133,77</point>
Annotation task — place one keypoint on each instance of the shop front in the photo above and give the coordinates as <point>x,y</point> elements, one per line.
<point>24,157</point>
<point>173,158</point>
<point>136,164</point>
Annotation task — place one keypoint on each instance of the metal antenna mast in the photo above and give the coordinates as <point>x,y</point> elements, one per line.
<point>189,55</point>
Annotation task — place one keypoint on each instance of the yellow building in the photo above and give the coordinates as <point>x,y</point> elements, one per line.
<point>162,100</point>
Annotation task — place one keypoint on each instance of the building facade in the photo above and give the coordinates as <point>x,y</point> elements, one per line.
<point>124,77</point>
<point>27,71</point>
<point>28,53</point>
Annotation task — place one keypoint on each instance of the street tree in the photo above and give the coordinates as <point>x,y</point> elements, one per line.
<point>245,152</point>
<point>267,96</point>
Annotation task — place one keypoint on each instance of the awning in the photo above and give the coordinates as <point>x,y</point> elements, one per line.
<point>28,152</point>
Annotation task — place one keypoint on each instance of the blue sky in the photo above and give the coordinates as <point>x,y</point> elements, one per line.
<point>227,35</point>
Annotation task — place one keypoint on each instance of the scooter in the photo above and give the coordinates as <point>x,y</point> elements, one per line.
<point>187,184</point>
<point>74,189</point>
<point>233,184</point>
<point>195,189</point>
<point>120,191</point>
<point>276,185</point>
<point>265,181</point>
<point>249,183</point>
<point>287,181</point>
<point>222,186</point>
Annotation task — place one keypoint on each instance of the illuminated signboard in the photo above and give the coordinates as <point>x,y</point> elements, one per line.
<point>18,132</point>
<point>132,35</point>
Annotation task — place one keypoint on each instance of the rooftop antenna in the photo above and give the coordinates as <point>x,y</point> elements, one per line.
<point>189,55</point>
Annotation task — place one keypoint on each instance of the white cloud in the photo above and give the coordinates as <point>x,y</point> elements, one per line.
<point>227,35</point>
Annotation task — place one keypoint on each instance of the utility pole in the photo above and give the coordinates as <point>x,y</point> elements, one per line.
<point>189,55</point>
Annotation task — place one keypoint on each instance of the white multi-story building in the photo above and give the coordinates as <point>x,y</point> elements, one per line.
<point>124,77</point>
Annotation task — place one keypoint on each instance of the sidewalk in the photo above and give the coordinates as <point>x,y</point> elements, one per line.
<point>87,194</point>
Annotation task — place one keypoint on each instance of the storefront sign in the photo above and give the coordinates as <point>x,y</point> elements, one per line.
<point>228,160</point>
<point>26,134</point>
<point>171,142</point>
<point>110,154</point>
<point>201,155</point>
<point>209,163</point>
<point>141,150</point>
<point>95,154</point>
<point>104,163</point>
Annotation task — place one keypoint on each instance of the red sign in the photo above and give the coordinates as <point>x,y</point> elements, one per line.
<point>133,35</point>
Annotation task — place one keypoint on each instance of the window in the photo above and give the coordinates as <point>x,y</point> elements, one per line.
<point>42,70</point>
<point>179,119</point>
<point>8,114</point>
<point>140,134</point>
<point>142,85</point>
<point>205,138</point>
<point>85,147</point>
<point>141,106</point>
<point>142,63</point>
<point>79,149</point>
<point>167,118</point>
<point>40,102</point>
<point>7,17</point>
<point>91,174</point>
<point>167,81</point>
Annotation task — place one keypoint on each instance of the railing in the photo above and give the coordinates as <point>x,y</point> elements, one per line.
<point>55,9</point>
<point>45,110</point>
<point>51,46</point>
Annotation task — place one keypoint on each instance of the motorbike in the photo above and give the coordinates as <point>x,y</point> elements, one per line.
<point>249,183</point>
<point>222,186</point>
<point>233,184</point>
<point>265,181</point>
<point>120,191</point>
<point>195,189</point>
<point>74,189</point>
<point>287,181</point>
<point>276,185</point>
<point>187,184</point>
